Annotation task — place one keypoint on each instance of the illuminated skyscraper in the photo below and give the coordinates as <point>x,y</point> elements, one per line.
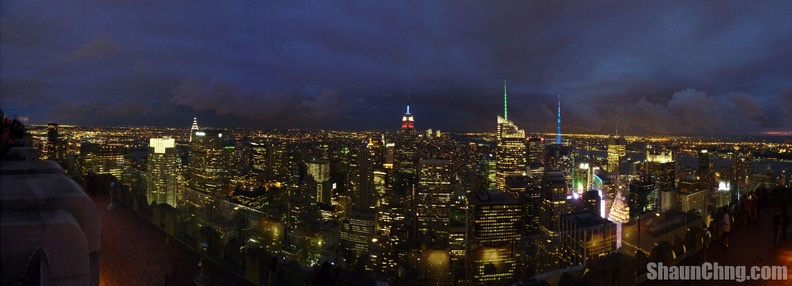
<point>162,170</point>
<point>278,165</point>
<point>743,168</point>
<point>102,159</point>
<point>433,201</point>
<point>510,153</point>
<point>643,198</point>
<point>582,178</point>
<point>585,236</point>
<point>407,120</point>
<point>661,168</point>
<point>555,194</point>
<point>405,164</point>
<point>364,197</point>
<point>706,174</point>
<point>616,150</point>
<point>536,157</point>
<point>320,172</point>
<point>356,236</point>
<point>259,161</point>
<point>55,148</point>
<point>208,168</point>
<point>494,222</point>
<point>193,128</point>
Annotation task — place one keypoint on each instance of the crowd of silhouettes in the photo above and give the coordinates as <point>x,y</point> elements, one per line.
<point>10,131</point>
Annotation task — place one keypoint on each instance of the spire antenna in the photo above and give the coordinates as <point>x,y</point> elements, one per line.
<point>558,136</point>
<point>505,109</point>
<point>408,102</point>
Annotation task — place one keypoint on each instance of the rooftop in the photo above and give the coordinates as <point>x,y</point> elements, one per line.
<point>492,197</point>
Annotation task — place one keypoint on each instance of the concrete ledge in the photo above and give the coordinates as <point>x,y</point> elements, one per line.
<point>51,191</point>
<point>30,167</point>
<point>21,153</point>
<point>57,234</point>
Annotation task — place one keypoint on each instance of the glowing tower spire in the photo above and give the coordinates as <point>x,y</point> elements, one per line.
<point>558,136</point>
<point>505,110</point>
<point>194,127</point>
<point>407,119</point>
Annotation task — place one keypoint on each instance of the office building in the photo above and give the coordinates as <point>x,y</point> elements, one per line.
<point>103,159</point>
<point>706,174</point>
<point>319,172</point>
<point>510,153</point>
<point>743,168</point>
<point>585,236</point>
<point>554,203</point>
<point>162,169</point>
<point>617,148</point>
<point>433,201</point>
<point>643,197</point>
<point>494,222</point>
<point>661,168</point>
<point>208,167</point>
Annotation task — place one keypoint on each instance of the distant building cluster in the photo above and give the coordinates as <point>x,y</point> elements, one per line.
<point>433,207</point>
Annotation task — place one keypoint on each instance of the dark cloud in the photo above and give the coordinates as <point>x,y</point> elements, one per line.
<point>302,108</point>
<point>648,67</point>
<point>101,45</point>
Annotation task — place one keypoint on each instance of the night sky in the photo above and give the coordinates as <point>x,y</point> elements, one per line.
<point>691,67</point>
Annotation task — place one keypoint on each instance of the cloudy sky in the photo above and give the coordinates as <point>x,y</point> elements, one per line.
<point>692,67</point>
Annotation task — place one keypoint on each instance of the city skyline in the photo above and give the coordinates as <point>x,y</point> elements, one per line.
<point>641,68</point>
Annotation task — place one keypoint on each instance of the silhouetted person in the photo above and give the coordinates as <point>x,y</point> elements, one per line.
<point>326,276</point>
<point>760,197</point>
<point>726,225</point>
<point>784,222</point>
<point>777,223</point>
<point>273,269</point>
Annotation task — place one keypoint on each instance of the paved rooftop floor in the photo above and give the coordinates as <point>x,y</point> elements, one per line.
<point>751,245</point>
<point>134,252</point>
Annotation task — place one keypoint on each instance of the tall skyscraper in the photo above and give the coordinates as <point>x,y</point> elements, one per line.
<point>364,199</point>
<point>407,120</point>
<point>617,148</point>
<point>494,222</point>
<point>319,171</point>
<point>356,236</point>
<point>584,237</point>
<point>103,159</point>
<point>554,193</point>
<point>259,163</point>
<point>55,148</point>
<point>433,201</point>
<point>278,164</point>
<point>405,163</point>
<point>706,176</point>
<point>536,156</point>
<point>643,198</point>
<point>162,180</point>
<point>510,153</point>
<point>661,167</point>
<point>193,128</point>
<point>208,166</point>
<point>743,168</point>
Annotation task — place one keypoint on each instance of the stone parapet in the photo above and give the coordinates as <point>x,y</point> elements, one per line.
<point>50,227</point>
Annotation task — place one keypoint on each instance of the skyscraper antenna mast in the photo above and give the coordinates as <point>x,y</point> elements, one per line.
<point>505,109</point>
<point>408,102</point>
<point>558,136</point>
